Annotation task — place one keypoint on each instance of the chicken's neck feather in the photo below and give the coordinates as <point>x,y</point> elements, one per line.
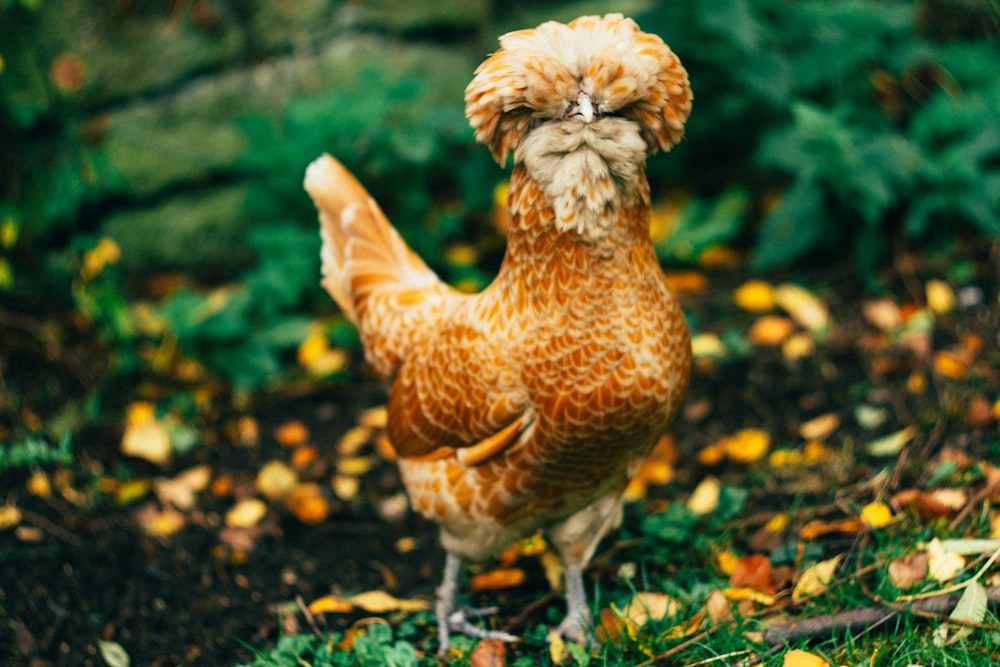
<point>588,172</point>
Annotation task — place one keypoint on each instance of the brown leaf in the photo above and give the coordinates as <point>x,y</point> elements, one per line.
<point>489,653</point>
<point>754,572</point>
<point>907,571</point>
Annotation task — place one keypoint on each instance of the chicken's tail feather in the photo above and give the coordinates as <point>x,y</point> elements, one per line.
<point>375,278</point>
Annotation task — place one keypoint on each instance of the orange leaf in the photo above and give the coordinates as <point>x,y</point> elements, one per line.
<point>291,433</point>
<point>307,503</point>
<point>747,446</point>
<point>770,330</point>
<point>753,572</point>
<point>498,579</point>
<point>489,653</point>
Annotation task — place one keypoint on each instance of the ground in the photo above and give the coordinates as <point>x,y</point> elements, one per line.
<point>86,562</point>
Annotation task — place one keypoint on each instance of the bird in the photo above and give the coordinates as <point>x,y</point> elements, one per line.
<point>528,406</point>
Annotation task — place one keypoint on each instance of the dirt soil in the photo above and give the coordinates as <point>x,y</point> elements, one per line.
<point>86,570</point>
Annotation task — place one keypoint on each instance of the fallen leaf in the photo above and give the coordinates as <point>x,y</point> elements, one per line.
<point>979,413</point>
<point>942,565</point>
<point>797,346</point>
<point>180,491</point>
<point>712,455</point>
<point>557,647</point>
<point>356,465</point>
<point>165,523</point>
<point>307,503</point>
<point>803,306</point>
<point>971,608</point>
<point>377,417</point>
<point>884,314</point>
<point>291,433</point>
<point>39,485</point>
<point>330,604</point>
<point>132,490</point>
<point>345,487</point>
<point>753,572</point>
<point>498,579</point>
<point>892,444</point>
<point>907,571</point>
<point>740,594</point>
<point>10,516</point>
<point>820,428</point>
<point>869,416</point>
<point>553,567</point>
<point>815,580</point>
<point>726,561</point>
<point>970,547</point>
<point>146,438</point>
<point>747,446</point>
<point>380,602</point>
<point>717,607</point>
<point>354,440</point>
<point>940,297</point>
<point>707,345</point>
<point>645,606</point>
<point>770,330</point>
<point>276,480</point>
<point>317,357</point>
<point>489,653</point>
<point>113,653</point>
<point>303,456</point>
<point>246,513</point>
<point>950,365</point>
<point>799,658</point>
<point>705,497</point>
<point>755,296</point>
<point>818,528</point>
<point>876,515</point>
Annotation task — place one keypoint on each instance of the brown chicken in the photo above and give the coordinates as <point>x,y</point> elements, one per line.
<point>529,406</point>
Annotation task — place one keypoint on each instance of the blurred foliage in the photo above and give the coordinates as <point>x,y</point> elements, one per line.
<point>821,128</point>
<point>864,120</point>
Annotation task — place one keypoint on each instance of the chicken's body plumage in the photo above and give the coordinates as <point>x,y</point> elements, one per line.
<point>528,406</point>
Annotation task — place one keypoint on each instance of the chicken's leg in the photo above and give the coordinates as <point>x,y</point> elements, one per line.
<point>456,620</point>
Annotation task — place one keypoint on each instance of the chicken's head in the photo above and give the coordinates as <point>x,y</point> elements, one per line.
<point>582,72</point>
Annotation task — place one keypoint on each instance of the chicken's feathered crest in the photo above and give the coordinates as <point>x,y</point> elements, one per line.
<point>537,75</point>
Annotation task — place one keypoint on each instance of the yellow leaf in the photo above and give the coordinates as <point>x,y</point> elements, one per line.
<point>942,565</point>
<point>712,455</point>
<point>557,647</point>
<point>995,526</point>
<point>815,580</point>
<point>797,346</point>
<point>10,516</point>
<point>380,602</point>
<point>246,513</point>
<point>275,480</point>
<point>132,490</point>
<point>726,562</point>
<point>800,658</point>
<point>345,487</point>
<point>803,306</point>
<point>876,515</point>
<point>892,444</point>
<point>353,440</point>
<point>752,594</point>
<point>707,345</point>
<point>461,254</point>
<point>377,417</point>
<point>148,440</point>
<point>705,498</point>
<point>356,465</point>
<point>748,445</point>
<point>756,296</point>
<point>330,604</point>
<point>940,296</point>
<point>39,484</point>
<point>166,523</point>
<point>883,314</point>
<point>553,568</point>
<point>104,253</point>
<point>777,523</point>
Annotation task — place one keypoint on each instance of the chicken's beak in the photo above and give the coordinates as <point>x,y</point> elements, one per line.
<point>582,110</point>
